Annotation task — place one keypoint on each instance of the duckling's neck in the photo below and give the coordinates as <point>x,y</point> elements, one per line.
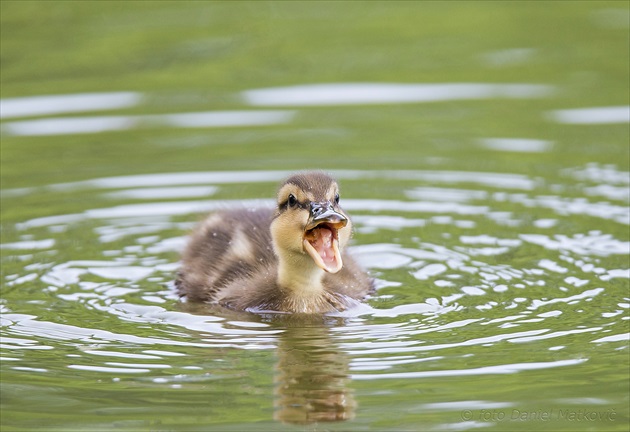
<point>299,275</point>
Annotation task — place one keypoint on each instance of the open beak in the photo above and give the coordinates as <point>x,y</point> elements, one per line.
<point>321,236</point>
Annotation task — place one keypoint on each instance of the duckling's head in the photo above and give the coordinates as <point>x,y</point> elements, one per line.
<point>309,222</point>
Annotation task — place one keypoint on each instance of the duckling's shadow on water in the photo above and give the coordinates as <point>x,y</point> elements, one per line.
<point>311,376</point>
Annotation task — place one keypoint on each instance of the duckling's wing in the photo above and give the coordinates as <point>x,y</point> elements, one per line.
<point>226,247</point>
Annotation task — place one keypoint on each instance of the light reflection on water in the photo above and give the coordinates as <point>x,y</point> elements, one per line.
<point>307,95</point>
<point>517,145</point>
<point>57,104</point>
<point>437,309</point>
<point>332,94</point>
<point>87,125</point>
<point>380,93</point>
<point>432,200</point>
<point>599,115</point>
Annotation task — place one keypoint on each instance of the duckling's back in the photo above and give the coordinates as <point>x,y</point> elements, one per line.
<point>228,246</point>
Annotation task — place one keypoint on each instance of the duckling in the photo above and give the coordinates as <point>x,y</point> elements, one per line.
<point>290,259</point>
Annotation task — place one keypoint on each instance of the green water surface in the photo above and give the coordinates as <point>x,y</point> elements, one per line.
<point>496,226</point>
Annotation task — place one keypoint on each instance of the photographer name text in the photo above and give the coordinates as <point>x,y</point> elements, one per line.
<point>554,414</point>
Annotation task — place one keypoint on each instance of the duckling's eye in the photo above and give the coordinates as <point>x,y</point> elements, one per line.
<point>292,200</point>
<point>337,199</point>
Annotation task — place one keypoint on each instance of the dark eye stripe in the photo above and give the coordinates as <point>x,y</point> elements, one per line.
<point>285,205</point>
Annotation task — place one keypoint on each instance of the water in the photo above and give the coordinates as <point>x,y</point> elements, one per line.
<point>488,183</point>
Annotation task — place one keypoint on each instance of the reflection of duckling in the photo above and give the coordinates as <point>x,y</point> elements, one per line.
<point>287,260</point>
<point>312,381</point>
